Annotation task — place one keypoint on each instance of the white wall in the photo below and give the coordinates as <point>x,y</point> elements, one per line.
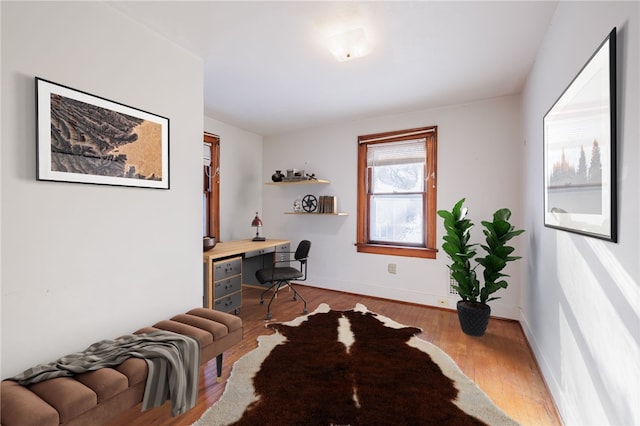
<point>241,179</point>
<point>479,157</point>
<point>581,304</point>
<point>82,263</point>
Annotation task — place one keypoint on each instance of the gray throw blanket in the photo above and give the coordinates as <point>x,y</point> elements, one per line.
<point>173,361</point>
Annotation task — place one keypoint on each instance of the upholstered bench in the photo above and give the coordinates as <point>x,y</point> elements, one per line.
<point>96,397</point>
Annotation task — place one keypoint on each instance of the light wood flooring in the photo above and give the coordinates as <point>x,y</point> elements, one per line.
<point>500,363</point>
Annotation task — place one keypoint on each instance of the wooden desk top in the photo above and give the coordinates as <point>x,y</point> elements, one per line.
<point>238,247</point>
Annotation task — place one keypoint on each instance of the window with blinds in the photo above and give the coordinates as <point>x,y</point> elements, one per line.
<point>396,193</point>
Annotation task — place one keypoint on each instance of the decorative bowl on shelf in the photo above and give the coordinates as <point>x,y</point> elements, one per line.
<point>208,243</point>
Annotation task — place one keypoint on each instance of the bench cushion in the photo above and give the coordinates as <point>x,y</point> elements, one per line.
<point>136,370</point>
<point>20,406</point>
<point>105,382</point>
<point>69,397</point>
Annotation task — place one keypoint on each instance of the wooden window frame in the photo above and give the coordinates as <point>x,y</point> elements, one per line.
<point>212,204</point>
<point>364,244</point>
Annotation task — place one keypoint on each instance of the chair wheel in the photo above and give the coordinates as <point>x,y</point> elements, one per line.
<point>295,298</point>
<point>304,311</point>
<point>268,315</point>
<point>262,302</point>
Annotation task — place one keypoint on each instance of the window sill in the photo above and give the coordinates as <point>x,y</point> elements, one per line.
<point>422,252</point>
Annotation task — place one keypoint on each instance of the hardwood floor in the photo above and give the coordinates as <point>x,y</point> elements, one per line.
<point>500,362</point>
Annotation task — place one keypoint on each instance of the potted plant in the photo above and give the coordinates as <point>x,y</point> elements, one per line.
<point>473,311</point>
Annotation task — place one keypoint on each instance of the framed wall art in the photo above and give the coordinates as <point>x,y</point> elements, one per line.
<point>88,139</point>
<point>580,150</point>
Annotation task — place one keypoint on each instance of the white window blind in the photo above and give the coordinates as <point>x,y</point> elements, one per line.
<point>396,153</point>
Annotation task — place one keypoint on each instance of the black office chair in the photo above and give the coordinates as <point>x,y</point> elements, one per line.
<point>280,276</point>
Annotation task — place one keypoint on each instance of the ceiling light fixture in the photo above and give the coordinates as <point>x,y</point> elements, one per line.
<point>349,44</point>
<point>346,32</point>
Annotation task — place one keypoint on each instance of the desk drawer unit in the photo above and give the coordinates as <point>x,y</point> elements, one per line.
<point>231,265</point>
<point>225,291</point>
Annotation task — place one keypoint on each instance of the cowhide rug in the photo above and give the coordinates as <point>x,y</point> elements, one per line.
<point>349,368</point>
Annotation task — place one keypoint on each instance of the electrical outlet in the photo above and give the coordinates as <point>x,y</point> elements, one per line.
<point>443,302</point>
<point>391,268</point>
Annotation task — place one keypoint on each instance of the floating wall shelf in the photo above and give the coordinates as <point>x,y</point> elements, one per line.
<point>313,213</point>
<point>299,182</point>
<point>306,182</point>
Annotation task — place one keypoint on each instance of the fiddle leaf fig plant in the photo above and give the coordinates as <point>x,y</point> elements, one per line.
<point>462,253</point>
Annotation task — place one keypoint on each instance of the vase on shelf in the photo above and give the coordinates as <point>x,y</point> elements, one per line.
<point>277,176</point>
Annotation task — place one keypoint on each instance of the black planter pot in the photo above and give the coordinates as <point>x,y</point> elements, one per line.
<point>473,317</point>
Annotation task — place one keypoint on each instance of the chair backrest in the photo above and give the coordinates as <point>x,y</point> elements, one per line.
<point>302,252</point>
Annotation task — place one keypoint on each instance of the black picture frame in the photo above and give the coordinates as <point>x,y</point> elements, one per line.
<point>84,138</point>
<point>580,170</point>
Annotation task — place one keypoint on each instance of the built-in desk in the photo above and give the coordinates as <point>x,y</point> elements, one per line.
<point>231,264</point>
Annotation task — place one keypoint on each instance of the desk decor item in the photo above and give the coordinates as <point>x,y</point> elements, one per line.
<point>580,150</point>
<point>370,370</point>
<point>88,139</point>
<point>309,203</point>
<point>208,243</point>
<point>257,223</point>
<point>294,174</point>
<point>297,204</point>
<point>328,204</point>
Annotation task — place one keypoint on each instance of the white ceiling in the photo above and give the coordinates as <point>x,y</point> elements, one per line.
<point>266,70</point>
